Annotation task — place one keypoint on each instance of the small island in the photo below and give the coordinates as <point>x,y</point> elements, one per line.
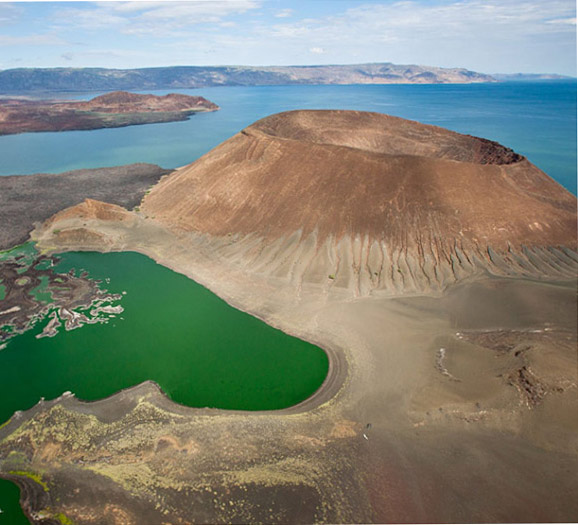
<point>112,110</point>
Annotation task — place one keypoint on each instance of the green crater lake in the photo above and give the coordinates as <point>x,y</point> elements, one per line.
<point>12,513</point>
<point>200,350</point>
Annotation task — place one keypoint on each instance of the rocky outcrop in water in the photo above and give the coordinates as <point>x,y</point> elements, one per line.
<point>34,291</point>
<point>112,110</point>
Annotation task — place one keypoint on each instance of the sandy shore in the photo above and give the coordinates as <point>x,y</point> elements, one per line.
<point>456,405</point>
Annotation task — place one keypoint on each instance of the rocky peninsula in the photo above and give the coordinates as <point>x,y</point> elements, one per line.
<point>29,199</point>
<point>437,270</point>
<point>112,110</point>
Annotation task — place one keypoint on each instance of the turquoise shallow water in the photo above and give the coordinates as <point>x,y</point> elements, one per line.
<point>536,119</point>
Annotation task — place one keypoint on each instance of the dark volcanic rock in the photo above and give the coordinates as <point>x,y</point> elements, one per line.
<point>25,200</point>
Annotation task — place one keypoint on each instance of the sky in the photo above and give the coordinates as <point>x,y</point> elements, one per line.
<point>490,36</point>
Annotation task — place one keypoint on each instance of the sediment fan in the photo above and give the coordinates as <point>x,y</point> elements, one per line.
<point>375,199</point>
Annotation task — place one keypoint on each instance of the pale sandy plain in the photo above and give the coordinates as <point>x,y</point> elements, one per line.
<point>452,389</point>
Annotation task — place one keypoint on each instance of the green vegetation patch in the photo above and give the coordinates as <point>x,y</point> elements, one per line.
<point>30,475</point>
<point>27,249</point>
<point>63,518</point>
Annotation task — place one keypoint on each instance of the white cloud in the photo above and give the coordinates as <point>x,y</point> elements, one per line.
<point>91,19</point>
<point>153,17</point>
<point>9,13</point>
<point>412,20</point>
<point>566,21</point>
<point>128,7</point>
<point>317,50</point>
<point>107,56</point>
<point>478,34</point>
<point>284,13</point>
<point>31,40</point>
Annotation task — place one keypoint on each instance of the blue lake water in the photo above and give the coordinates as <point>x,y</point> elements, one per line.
<point>536,119</point>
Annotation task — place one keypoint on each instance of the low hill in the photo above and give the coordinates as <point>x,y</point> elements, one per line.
<point>29,199</point>
<point>112,110</point>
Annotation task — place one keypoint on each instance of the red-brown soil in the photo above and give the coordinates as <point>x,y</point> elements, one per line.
<point>350,173</point>
<point>116,109</point>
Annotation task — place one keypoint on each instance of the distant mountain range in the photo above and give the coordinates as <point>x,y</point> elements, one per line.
<point>529,76</point>
<point>179,77</point>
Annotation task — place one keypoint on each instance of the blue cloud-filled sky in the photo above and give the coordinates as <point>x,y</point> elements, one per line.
<point>491,36</point>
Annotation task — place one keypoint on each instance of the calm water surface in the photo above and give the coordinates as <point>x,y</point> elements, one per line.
<point>536,119</point>
<point>10,506</point>
<point>199,349</point>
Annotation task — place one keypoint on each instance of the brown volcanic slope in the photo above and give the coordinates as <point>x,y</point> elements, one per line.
<point>116,109</point>
<point>379,192</point>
